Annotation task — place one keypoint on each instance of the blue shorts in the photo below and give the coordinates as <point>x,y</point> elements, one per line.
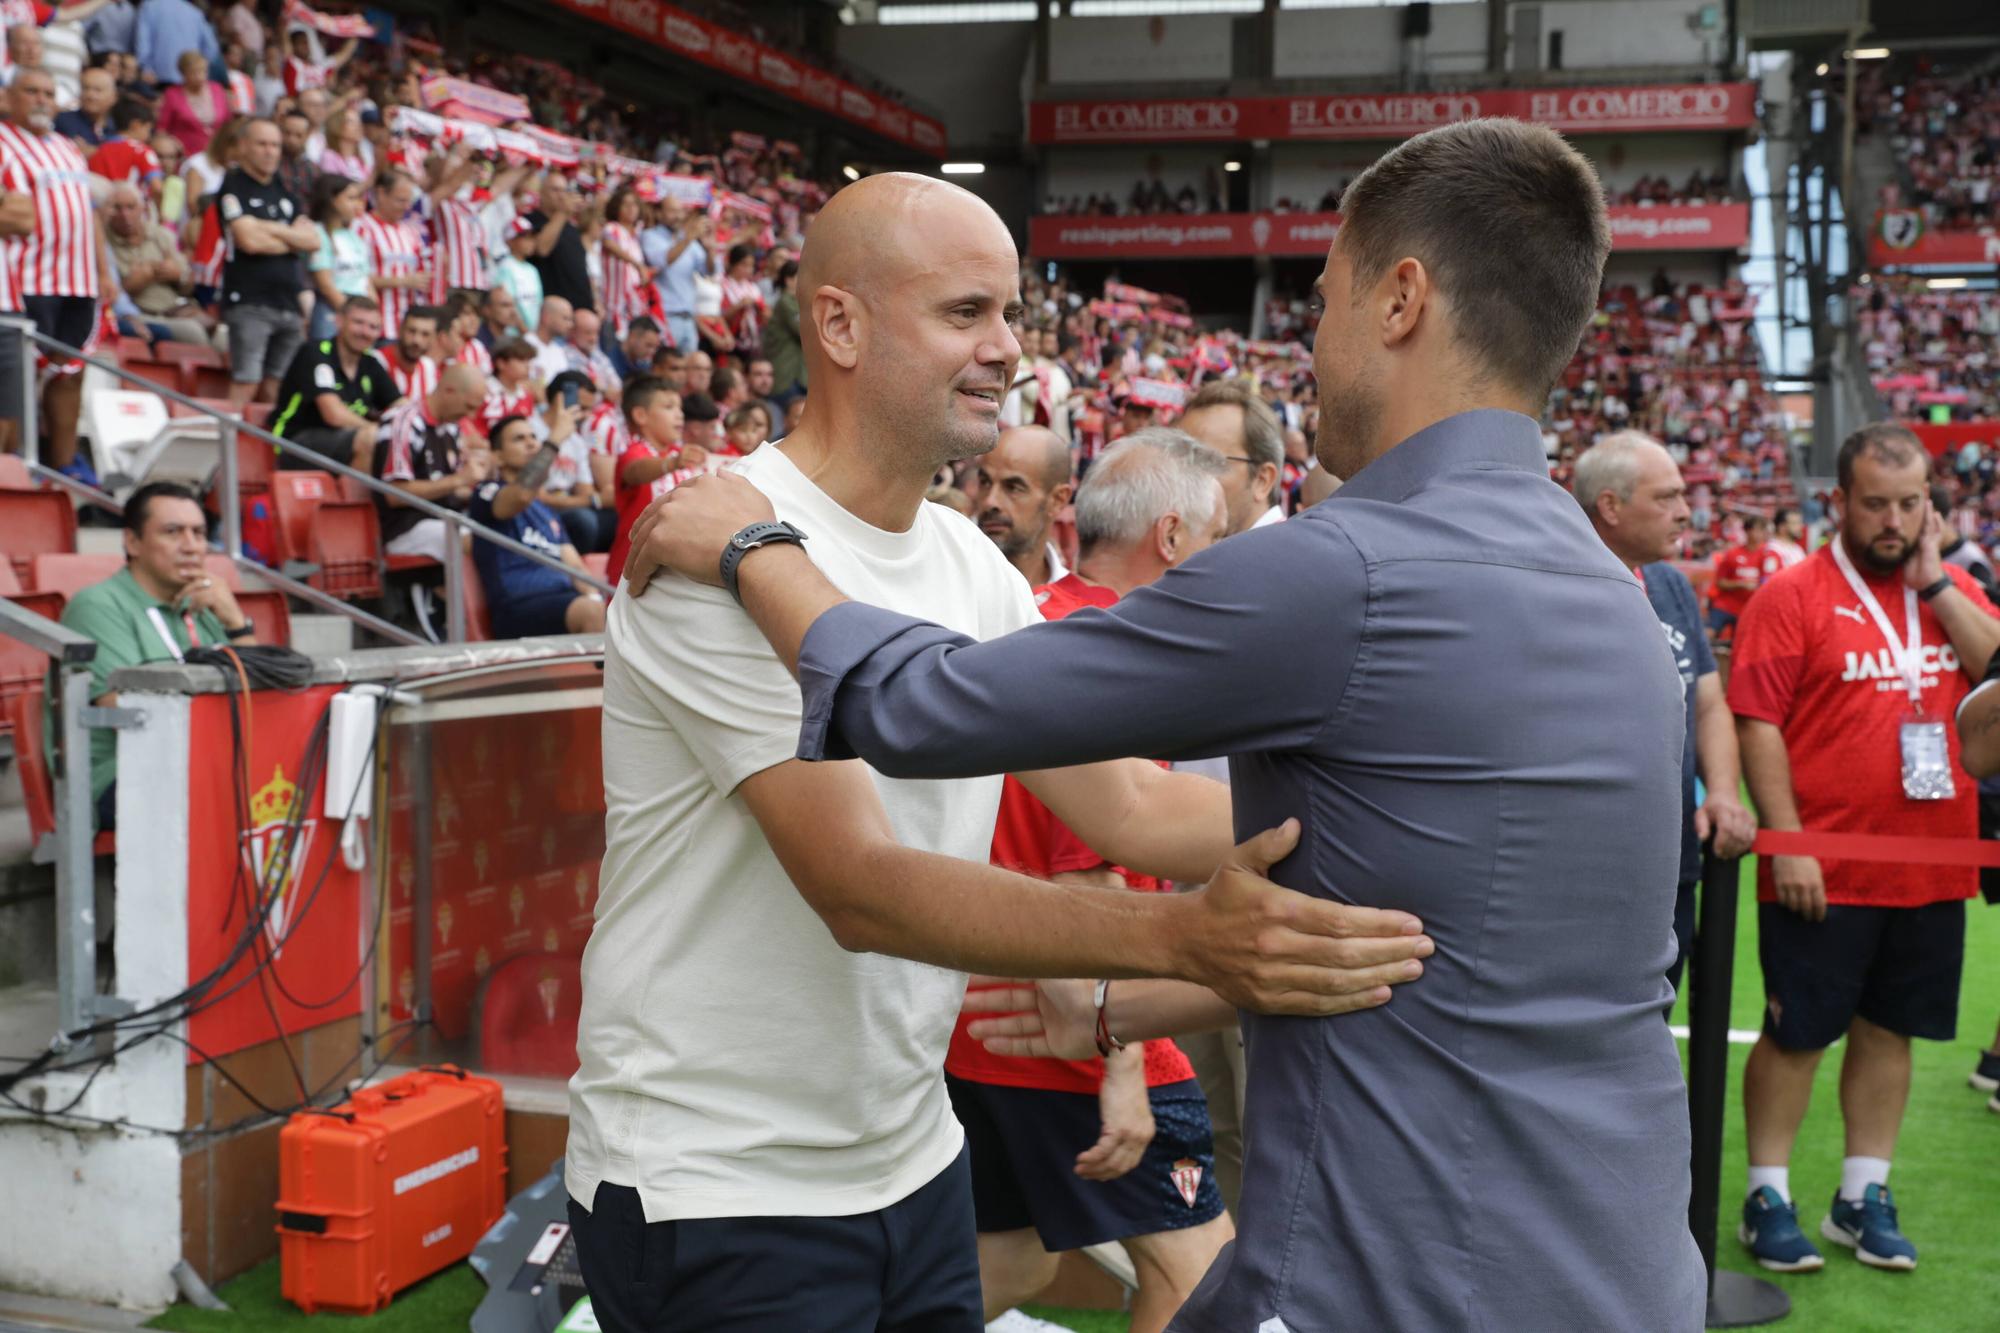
<point>1024,1144</point>
<point>543,611</point>
<point>1721,625</point>
<point>912,1267</point>
<point>1897,967</point>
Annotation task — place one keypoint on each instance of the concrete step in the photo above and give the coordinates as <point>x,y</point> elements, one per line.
<point>100,541</point>
<point>322,635</point>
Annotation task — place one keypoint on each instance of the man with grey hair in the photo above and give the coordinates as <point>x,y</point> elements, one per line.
<point>150,267</point>
<point>1632,490</point>
<point>1229,417</point>
<point>1064,1155</point>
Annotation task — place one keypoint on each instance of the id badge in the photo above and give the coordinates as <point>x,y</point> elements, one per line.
<point>1926,760</point>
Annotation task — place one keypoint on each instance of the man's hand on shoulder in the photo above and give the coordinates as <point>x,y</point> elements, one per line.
<point>687,529</point>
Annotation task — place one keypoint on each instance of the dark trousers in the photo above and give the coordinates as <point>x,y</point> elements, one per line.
<point>590,531</point>
<point>912,1267</point>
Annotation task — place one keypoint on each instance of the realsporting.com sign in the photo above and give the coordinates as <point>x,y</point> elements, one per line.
<point>1307,235</point>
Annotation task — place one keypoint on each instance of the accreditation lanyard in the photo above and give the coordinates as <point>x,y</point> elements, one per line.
<point>1907,656</point>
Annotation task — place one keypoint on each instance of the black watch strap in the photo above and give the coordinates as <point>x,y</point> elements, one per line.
<point>1926,593</point>
<point>243,631</point>
<point>748,540</point>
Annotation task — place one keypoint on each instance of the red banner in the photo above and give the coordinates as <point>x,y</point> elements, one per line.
<point>1960,249</point>
<point>1664,227</point>
<point>1654,108</point>
<point>751,61</point>
<point>314,924</point>
<point>1955,435</point>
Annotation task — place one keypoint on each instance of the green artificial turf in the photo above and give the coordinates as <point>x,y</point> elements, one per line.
<point>1947,1182</point>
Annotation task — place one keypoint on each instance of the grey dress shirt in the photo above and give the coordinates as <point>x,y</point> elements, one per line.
<point>1467,701</point>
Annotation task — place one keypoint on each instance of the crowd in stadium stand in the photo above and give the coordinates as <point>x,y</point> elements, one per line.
<point>1928,349</point>
<point>1943,125</point>
<point>341,228</point>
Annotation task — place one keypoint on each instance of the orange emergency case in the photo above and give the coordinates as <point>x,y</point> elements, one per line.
<point>398,1181</point>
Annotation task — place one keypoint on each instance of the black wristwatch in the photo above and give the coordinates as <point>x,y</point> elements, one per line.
<point>748,540</point>
<point>1926,593</point>
<point>242,631</point>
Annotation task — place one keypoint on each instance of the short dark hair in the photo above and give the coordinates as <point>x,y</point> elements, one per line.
<point>139,504</point>
<point>1778,518</point>
<point>363,303</point>
<point>429,312</point>
<point>1886,441</point>
<point>722,383</point>
<point>700,407</point>
<point>564,380</point>
<point>667,350</point>
<point>1751,521</point>
<point>456,307</point>
<point>1509,221</point>
<point>640,393</point>
<point>500,426</point>
<point>642,324</point>
<point>131,111</point>
<point>513,350</point>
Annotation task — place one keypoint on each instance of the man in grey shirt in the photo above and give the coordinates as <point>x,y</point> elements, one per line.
<point>1465,700</point>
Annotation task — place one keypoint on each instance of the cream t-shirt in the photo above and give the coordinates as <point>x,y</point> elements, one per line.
<point>736,1061</point>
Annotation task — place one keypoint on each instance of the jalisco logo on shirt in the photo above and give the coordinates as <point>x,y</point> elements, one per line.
<point>1880,666</point>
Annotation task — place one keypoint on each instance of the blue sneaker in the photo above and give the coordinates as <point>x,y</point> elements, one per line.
<point>1869,1229</point>
<point>79,469</point>
<point>1771,1229</point>
<point>1986,1078</point>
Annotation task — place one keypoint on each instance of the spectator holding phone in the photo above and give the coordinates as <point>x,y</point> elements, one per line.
<point>571,489</point>
<point>525,597</point>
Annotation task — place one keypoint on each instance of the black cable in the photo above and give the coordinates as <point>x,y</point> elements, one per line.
<point>197,997</point>
<point>268,666</point>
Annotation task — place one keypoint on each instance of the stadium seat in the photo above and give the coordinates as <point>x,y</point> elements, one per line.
<point>343,540</point>
<point>10,582</point>
<point>14,474</point>
<point>24,667</point>
<point>269,613</point>
<point>120,425</point>
<point>38,788</point>
<point>295,496</point>
<point>599,563</point>
<point>526,1015</point>
<point>203,368</point>
<point>132,351</point>
<point>165,375</point>
<point>69,573</point>
<point>478,618</point>
<point>36,523</point>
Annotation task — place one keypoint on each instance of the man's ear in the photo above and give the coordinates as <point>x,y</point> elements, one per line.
<point>1408,293</point>
<point>1266,482</point>
<point>839,322</point>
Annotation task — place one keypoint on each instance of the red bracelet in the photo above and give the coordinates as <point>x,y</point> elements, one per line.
<point>1107,1045</point>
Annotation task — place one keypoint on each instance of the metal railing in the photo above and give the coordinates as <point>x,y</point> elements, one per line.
<point>78,1004</point>
<point>228,429</point>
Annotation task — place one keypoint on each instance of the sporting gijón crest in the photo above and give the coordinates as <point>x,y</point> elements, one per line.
<point>1187,1178</point>
<point>275,855</point>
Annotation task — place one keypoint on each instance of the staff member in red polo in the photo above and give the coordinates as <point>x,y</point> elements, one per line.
<point>1849,669</point>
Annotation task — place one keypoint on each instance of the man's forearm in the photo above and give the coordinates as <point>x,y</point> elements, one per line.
<point>784,592</point>
<point>1979,734</point>
<point>1177,826</point>
<point>1149,1008</point>
<point>1715,747</point>
<point>936,909</point>
<point>1769,771</point>
<point>1974,634</point>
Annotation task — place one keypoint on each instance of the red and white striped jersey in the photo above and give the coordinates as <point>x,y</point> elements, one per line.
<point>398,249</point>
<point>414,438</point>
<point>303,74</point>
<point>474,354</point>
<point>242,94</point>
<point>604,428</point>
<point>501,404</point>
<point>59,257</point>
<point>411,381</point>
<point>624,284</point>
<point>461,248</point>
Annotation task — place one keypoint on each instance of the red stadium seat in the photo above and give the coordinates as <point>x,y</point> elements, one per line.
<point>70,573</point>
<point>599,563</point>
<point>23,667</point>
<point>14,474</point>
<point>35,523</point>
<point>10,582</point>
<point>478,618</point>
<point>343,541</point>
<point>354,492</point>
<point>38,788</point>
<point>270,614</point>
<point>203,368</point>
<point>527,1010</point>
<point>160,373</point>
<point>295,496</point>
<point>134,351</point>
